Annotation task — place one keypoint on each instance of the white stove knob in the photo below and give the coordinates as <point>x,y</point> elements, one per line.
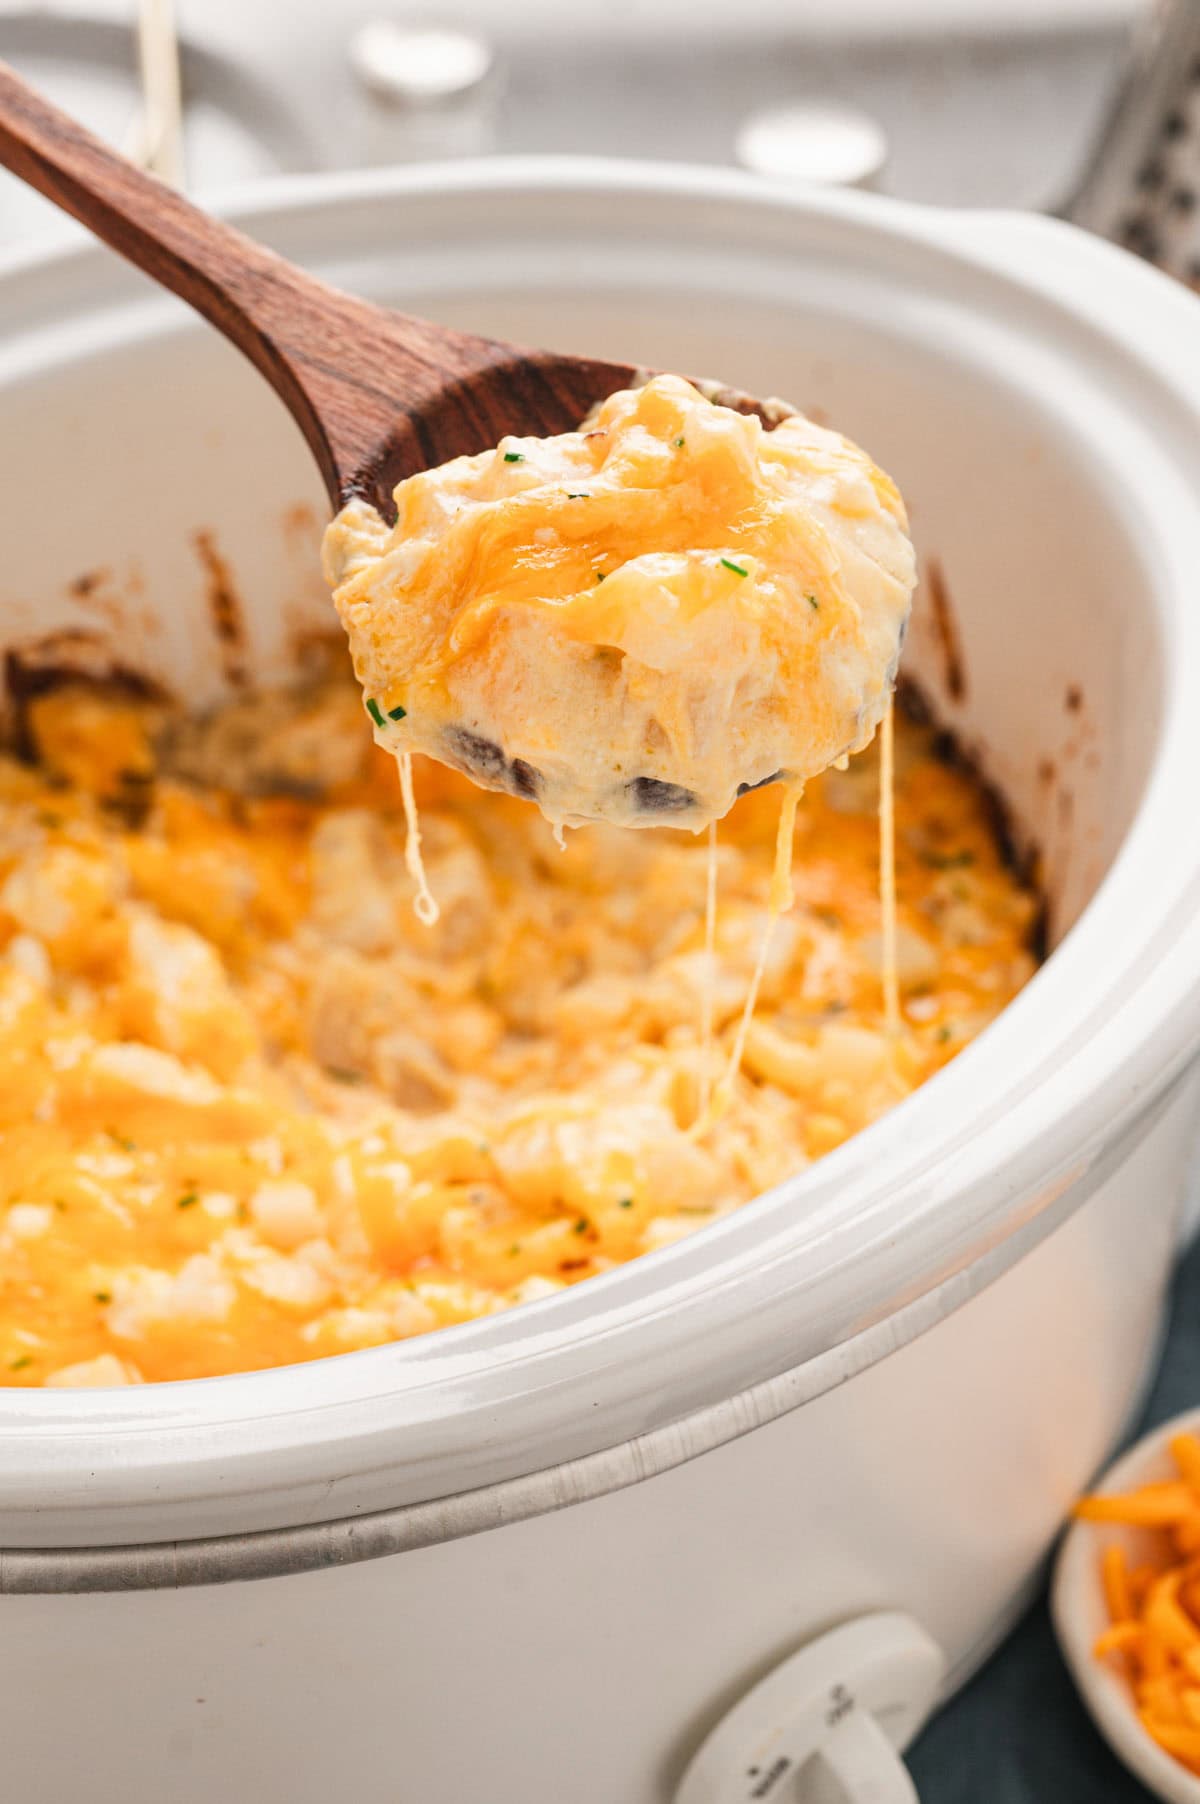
<point>428,91</point>
<point>821,142</point>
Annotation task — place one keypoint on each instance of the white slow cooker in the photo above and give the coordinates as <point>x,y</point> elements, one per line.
<point>538,1557</point>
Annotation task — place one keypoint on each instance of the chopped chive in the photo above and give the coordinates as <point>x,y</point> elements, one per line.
<point>599,576</point>
<point>578,495</point>
<point>514,457</point>
<point>397,713</point>
<point>187,1199</point>
<point>374,710</point>
<point>17,1365</point>
<point>736,568</point>
<point>944,1033</point>
<point>514,1249</point>
<point>813,603</point>
<point>679,444</point>
<point>626,1202</point>
<point>582,1225</point>
<point>102,1296</point>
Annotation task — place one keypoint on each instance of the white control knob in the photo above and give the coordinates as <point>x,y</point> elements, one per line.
<point>428,91</point>
<point>822,142</point>
<point>829,1723</point>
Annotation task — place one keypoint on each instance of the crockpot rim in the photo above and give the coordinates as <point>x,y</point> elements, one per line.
<point>975,241</point>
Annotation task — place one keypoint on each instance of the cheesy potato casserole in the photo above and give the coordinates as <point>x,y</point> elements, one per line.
<point>636,621</point>
<point>255,1112</point>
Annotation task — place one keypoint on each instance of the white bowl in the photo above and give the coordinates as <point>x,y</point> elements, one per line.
<point>1080,1615</point>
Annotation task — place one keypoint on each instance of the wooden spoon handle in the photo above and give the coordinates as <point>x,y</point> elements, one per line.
<point>350,373</point>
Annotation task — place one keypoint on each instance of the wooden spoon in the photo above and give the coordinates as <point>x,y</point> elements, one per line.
<point>378,395</point>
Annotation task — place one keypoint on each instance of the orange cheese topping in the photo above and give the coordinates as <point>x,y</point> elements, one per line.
<point>254,1112</point>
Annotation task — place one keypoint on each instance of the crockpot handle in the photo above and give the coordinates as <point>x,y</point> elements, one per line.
<point>839,1711</point>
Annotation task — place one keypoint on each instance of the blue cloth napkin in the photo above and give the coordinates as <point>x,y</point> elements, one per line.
<point>1018,1733</point>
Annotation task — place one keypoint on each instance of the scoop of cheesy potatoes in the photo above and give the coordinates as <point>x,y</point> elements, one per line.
<point>637,621</point>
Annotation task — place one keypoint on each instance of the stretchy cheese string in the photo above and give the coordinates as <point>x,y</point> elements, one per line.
<point>710,973</point>
<point>779,901</point>
<point>425,905</point>
<point>782,895</point>
<point>887,870</point>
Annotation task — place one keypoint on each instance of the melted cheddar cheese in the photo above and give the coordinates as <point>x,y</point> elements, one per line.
<point>254,1112</point>
<point>636,621</point>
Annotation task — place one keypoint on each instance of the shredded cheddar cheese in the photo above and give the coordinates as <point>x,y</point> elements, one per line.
<point>709,975</point>
<point>887,869</point>
<point>1154,1606</point>
<point>255,1112</point>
